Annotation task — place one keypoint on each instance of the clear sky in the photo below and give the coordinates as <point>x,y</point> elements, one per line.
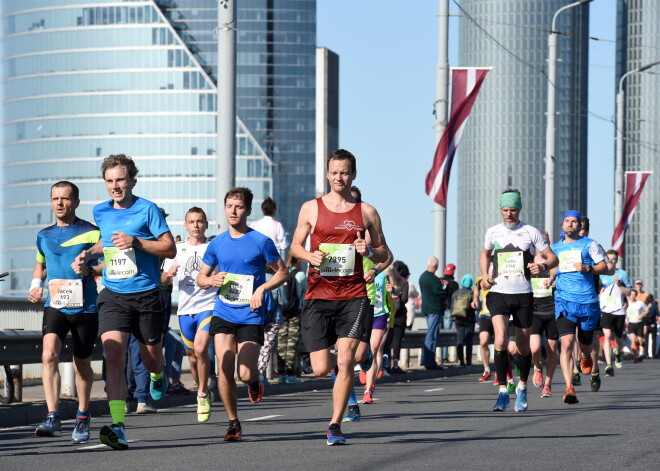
<point>388,57</point>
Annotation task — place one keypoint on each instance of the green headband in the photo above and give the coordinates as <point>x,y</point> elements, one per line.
<point>510,200</point>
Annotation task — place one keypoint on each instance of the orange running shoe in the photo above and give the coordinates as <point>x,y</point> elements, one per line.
<point>256,395</point>
<point>363,377</point>
<point>234,431</point>
<point>546,392</point>
<point>485,377</point>
<point>538,378</point>
<point>570,397</point>
<point>368,398</point>
<point>586,364</point>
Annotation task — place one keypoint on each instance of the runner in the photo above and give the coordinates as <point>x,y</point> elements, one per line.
<point>195,304</point>
<point>621,278</point>
<point>485,327</point>
<point>635,313</point>
<point>336,301</point>
<point>513,244</point>
<point>241,254</point>
<point>613,306</point>
<point>134,236</point>
<point>70,307</point>
<point>576,301</point>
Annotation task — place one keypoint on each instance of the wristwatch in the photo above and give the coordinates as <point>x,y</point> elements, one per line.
<point>589,268</point>
<point>370,251</point>
<point>136,243</point>
<point>545,266</point>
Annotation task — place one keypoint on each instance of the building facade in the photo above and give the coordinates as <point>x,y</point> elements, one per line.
<point>503,145</point>
<point>638,34</point>
<point>83,80</point>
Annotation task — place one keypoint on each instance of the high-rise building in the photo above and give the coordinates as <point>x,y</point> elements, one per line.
<point>137,77</point>
<point>503,145</point>
<point>638,34</point>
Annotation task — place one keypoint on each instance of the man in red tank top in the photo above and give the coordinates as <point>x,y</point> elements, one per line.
<point>336,300</point>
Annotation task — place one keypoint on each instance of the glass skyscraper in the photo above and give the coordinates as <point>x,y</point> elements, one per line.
<point>83,80</point>
<point>503,145</point>
<point>638,34</point>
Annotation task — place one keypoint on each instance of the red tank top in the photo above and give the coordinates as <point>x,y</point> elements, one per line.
<point>337,228</point>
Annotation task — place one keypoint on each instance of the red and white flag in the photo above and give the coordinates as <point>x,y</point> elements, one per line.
<point>634,185</point>
<point>465,87</point>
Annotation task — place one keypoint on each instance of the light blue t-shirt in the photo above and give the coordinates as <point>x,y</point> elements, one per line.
<point>248,256</point>
<point>380,304</point>
<point>142,219</point>
<point>576,286</point>
<point>623,276</point>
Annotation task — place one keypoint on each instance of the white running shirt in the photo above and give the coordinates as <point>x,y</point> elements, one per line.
<point>192,299</point>
<point>512,250</point>
<point>635,310</point>
<point>273,229</point>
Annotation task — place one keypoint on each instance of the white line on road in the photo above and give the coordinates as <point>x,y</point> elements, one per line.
<point>433,390</point>
<point>265,417</point>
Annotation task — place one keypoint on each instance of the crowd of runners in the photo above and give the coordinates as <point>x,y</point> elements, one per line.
<point>539,302</point>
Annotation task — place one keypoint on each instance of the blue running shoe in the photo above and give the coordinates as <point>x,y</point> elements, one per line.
<point>521,400</point>
<point>353,414</point>
<point>335,436</point>
<point>502,402</point>
<point>366,364</point>
<point>114,436</point>
<point>50,427</point>
<point>81,430</point>
<point>158,387</point>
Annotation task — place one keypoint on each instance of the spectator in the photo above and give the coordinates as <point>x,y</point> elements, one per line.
<point>434,297</point>
<point>401,318</point>
<point>268,226</point>
<point>451,287</point>
<point>463,315</point>
<point>289,333</point>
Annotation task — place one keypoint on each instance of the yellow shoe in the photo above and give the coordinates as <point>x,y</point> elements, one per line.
<point>204,406</point>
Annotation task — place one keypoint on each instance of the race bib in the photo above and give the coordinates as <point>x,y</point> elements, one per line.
<point>539,289</point>
<point>510,263</point>
<point>568,259</point>
<point>611,303</point>
<point>119,264</point>
<point>339,261</point>
<point>633,315</point>
<point>237,289</point>
<point>65,293</point>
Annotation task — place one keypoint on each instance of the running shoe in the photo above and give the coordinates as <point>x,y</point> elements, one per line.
<point>570,397</point>
<point>538,377</point>
<point>114,436</point>
<point>203,406</point>
<point>363,377</point>
<point>617,360</point>
<point>502,403</point>
<point>586,364</point>
<point>281,379</point>
<point>292,380</point>
<point>179,389</point>
<point>145,408</point>
<point>380,374</point>
<point>50,427</point>
<point>496,382</point>
<point>521,400</point>
<point>547,391</point>
<point>353,414</point>
<point>335,436</point>
<point>485,377</point>
<point>158,387</point>
<point>577,381</point>
<point>368,398</point>
<point>397,370</point>
<point>609,371</point>
<point>595,381</point>
<point>366,364</point>
<point>80,432</point>
<point>511,387</point>
<point>256,395</point>
<point>234,431</point>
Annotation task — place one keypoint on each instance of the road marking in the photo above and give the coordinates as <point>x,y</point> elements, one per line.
<point>265,417</point>
<point>433,390</point>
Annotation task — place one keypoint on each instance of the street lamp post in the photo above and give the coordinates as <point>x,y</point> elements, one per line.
<point>618,164</point>
<point>550,127</point>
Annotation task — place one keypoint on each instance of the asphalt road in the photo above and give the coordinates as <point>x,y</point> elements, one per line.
<point>443,423</point>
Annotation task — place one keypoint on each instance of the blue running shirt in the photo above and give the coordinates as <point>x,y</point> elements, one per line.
<point>571,285</point>
<point>246,256</point>
<point>134,270</point>
<point>57,247</point>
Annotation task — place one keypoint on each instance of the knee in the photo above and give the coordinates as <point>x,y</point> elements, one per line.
<point>114,358</point>
<point>50,358</point>
<point>200,352</point>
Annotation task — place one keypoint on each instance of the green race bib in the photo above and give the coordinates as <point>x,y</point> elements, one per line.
<point>510,263</point>
<point>119,264</point>
<point>339,259</point>
<point>237,289</point>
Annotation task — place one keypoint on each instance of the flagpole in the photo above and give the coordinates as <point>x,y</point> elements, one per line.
<point>441,106</point>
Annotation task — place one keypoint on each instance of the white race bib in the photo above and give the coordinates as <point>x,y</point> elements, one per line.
<point>510,263</point>
<point>568,259</point>
<point>633,315</point>
<point>119,264</point>
<point>237,289</point>
<point>65,293</point>
<point>339,261</point>
<point>610,303</point>
<point>539,289</point>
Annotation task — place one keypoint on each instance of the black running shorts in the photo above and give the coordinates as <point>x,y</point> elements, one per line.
<point>368,324</point>
<point>140,314</point>
<point>544,323</point>
<point>636,328</point>
<point>520,306</point>
<point>617,324</point>
<point>241,332</point>
<point>324,321</point>
<point>84,329</point>
<point>486,325</point>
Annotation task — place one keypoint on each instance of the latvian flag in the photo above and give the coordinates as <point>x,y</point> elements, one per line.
<point>465,87</point>
<point>635,182</point>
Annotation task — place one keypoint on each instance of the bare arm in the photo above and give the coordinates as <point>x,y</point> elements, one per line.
<point>306,219</point>
<point>375,229</point>
<point>484,261</point>
<point>277,279</point>
<point>207,278</point>
<point>163,247</point>
<point>370,276</point>
<point>92,253</point>
<point>39,272</point>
